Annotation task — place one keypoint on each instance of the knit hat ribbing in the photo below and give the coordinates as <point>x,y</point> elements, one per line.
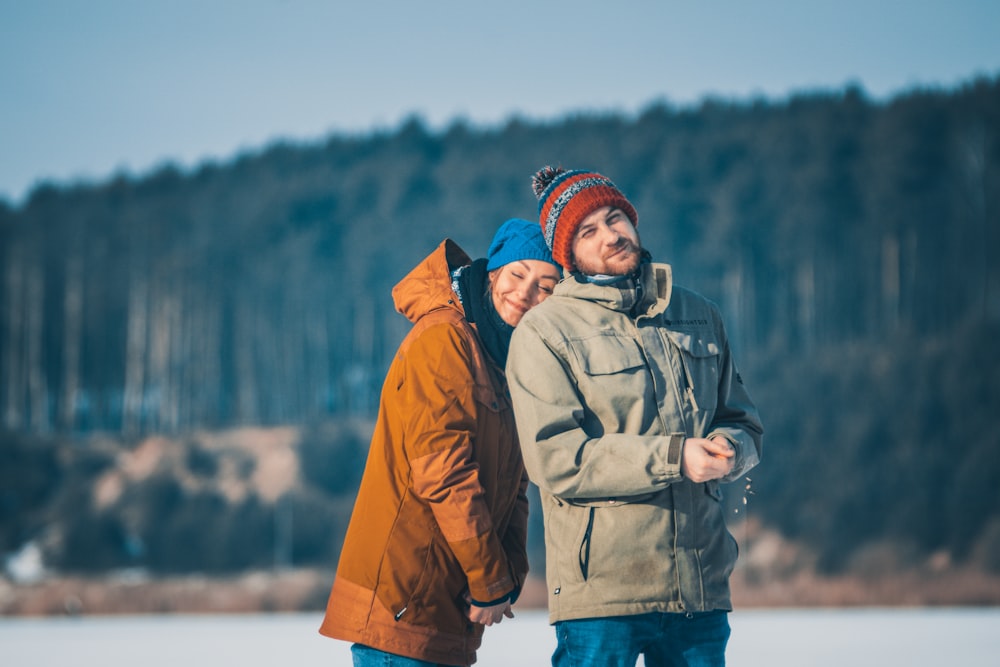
<point>517,239</point>
<point>565,198</point>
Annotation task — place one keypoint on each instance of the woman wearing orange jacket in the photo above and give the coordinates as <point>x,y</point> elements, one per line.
<point>436,546</point>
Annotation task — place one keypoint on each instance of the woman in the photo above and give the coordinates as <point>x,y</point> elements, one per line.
<point>435,549</point>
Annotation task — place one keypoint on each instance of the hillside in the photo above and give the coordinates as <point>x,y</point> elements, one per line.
<point>189,360</point>
<point>252,527</point>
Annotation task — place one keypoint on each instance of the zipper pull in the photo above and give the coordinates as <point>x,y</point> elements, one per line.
<point>689,384</point>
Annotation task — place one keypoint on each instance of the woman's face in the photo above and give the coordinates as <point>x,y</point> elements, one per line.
<point>520,286</point>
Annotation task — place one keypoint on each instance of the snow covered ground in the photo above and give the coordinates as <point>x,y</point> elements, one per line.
<point>771,638</point>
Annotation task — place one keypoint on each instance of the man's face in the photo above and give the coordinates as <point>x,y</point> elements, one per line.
<point>606,243</point>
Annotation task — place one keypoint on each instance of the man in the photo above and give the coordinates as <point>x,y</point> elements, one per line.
<point>630,413</point>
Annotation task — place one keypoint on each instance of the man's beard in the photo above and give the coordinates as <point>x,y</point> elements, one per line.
<point>621,264</point>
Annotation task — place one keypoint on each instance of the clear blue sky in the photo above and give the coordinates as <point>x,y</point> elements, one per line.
<point>91,87</point>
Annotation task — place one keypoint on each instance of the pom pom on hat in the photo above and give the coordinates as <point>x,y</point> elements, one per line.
<point>517,239</point>
<point>565,198</point>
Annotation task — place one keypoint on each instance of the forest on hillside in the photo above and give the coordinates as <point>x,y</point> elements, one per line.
<point>850,244</point>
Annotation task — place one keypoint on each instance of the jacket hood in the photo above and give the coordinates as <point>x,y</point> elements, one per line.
<point>428,286</point>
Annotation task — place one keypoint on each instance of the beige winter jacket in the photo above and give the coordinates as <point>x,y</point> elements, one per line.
<point>603,401</point>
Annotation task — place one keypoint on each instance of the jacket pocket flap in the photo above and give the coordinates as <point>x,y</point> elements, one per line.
<point>489,398</point>
<point>694,345</point>
<point>607,354</point>
<point>620,501</point>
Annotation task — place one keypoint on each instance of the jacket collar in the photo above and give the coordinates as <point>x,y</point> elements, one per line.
<point>646,295</point>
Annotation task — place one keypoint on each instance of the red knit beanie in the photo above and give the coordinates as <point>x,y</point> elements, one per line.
<point>565,198</point>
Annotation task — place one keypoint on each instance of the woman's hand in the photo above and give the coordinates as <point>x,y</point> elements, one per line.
<point>487,615</point>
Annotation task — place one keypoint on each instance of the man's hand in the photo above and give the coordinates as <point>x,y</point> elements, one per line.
<point>703,459</point>
<point>487,615</point>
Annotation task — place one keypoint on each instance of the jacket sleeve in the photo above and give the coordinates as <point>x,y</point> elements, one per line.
<point>736,417</point>
<point>440,423</point>
<point>560,456</point>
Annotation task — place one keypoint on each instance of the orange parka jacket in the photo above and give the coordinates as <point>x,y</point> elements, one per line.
<point>442,509</point>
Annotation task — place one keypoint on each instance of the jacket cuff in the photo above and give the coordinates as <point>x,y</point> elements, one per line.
<point>675,448</point>
<point>512,597</point>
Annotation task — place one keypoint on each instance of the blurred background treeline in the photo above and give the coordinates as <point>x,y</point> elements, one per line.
<point>190,361</point>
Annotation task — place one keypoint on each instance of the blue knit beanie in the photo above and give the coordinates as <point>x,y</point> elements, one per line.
<point>518,239</point>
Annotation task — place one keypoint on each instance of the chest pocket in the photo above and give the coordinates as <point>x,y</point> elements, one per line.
<point>488,397</point>
<point>699,359</point>
<point>608,354</point>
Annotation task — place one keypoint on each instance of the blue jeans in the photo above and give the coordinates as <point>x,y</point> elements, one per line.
<point>366,656</point>
<point>664,640</point>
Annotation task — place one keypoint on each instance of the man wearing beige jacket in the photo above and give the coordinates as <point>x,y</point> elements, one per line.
<point>631,413</point>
